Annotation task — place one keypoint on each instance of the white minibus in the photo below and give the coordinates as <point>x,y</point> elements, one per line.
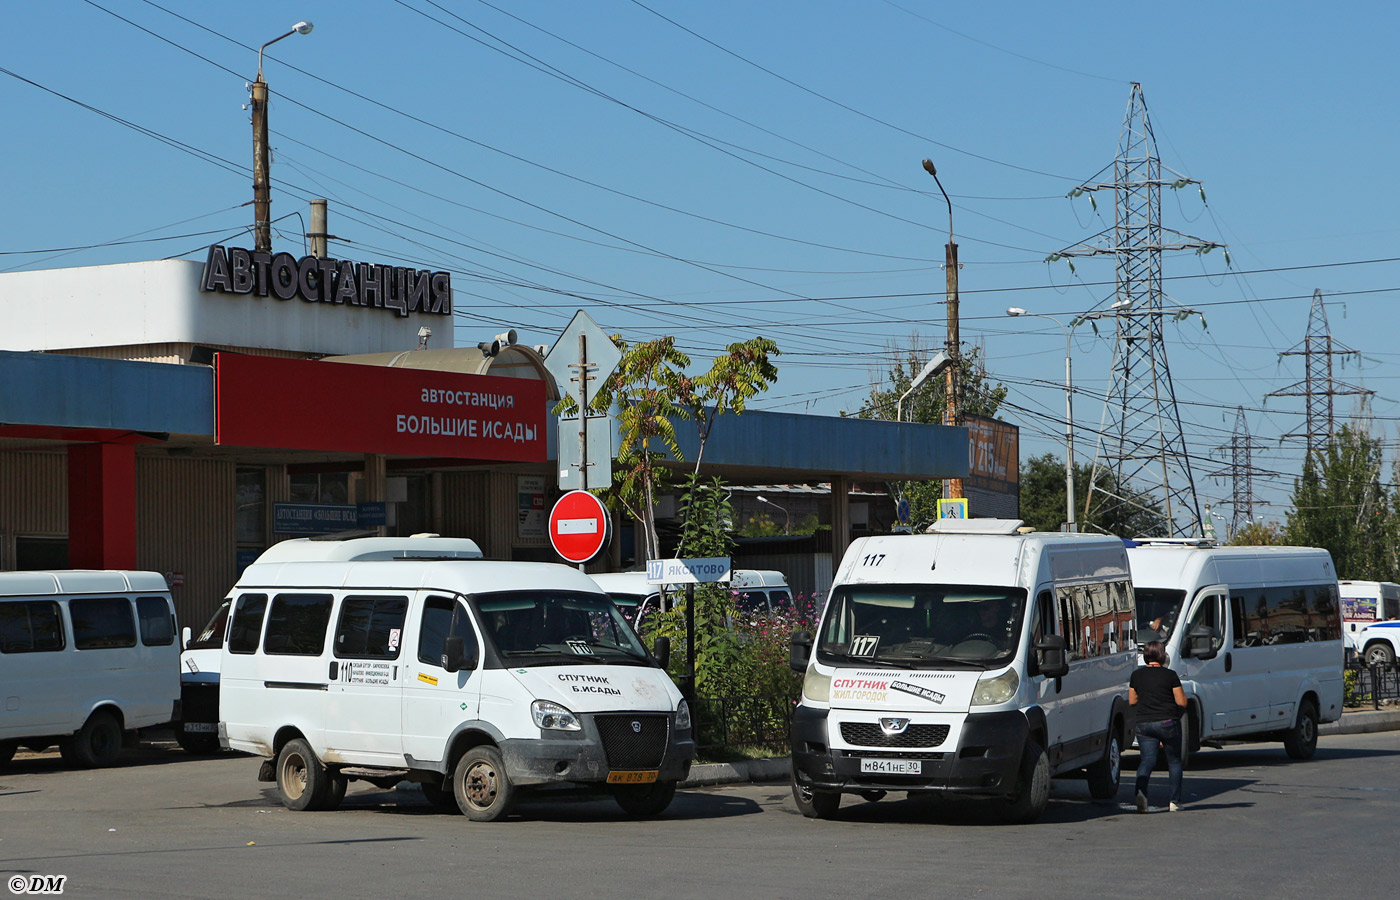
<point>758,592</point>
<point>392,659</point>
<point>975,660</point>
<point>85,656</point>
<point>198,726</point>
<point>1368,603</point>
<point>1254,633</point>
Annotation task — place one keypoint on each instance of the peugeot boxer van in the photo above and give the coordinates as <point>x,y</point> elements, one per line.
<point>973,660</point>
<point>85,656</point>
<point>1255,634</point>
<point>391,659</point>
<point>758,592</point>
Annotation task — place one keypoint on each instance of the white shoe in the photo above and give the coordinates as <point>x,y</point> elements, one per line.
<point>1142,802</point>
<point>1172,807</point>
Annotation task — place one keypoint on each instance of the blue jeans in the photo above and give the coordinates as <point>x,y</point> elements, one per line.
<point>1166,735</point>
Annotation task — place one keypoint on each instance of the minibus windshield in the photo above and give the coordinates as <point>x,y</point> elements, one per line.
<point>211,636</point>
<point>922,624</point>
<point>532,628</point>
<point>1157,610</point>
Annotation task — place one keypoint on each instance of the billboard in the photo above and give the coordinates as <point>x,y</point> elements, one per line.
<point>994,449</point>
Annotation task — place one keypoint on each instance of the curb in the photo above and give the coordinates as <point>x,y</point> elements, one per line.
<point>777,769</point>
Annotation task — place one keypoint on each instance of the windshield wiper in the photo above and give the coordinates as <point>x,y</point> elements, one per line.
<point>864,660</point>
<point>954,660</point>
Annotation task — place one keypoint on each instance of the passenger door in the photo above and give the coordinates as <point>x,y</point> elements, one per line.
<point>294,663</point>
<point>1047,691</point>
<point>365,695</point>
<point>435,700</point>
<point>1245,684</point>
<point>36,669</point>
<point>1208,680</point>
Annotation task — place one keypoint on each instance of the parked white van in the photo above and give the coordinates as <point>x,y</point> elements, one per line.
<point>197,730</point>
<point>390,659</point>
<point>85,655</point>
<point>1254,633</point>
<point>1366,604</point>
<point>975,660</point>
<point>760,592</point>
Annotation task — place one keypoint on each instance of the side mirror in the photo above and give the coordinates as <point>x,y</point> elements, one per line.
<point>661,650</point>
<point>800,651</point>
<point>454,653</point>
<point>185,634</point>
<point>1199,643</point>
<point>1054,656</point>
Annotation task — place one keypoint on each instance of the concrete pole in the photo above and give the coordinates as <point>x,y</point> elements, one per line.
<point>319,234</point>
<point>952,411</point>
<point>262,194</point>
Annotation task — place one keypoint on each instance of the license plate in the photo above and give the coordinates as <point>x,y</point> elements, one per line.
<point>201,727</point>
<point>892,766</point>
<point>641,777</point>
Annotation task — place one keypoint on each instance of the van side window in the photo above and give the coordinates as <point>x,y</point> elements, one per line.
<point>101,623</point>
<point>370,627</point>
<point>1324,611</point>
<point>30,626</point>
<point>1069,620</point>
<point>1237,621</point>
<point>1208,615</point>
<point>443,617</point>
<point>246,627</point>
<point>157,622</point>
<point>296,626</point>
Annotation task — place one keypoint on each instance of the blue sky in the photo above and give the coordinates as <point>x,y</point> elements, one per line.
<point>726,169</point>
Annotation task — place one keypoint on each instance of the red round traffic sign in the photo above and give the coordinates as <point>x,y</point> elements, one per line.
<point>579,526</point>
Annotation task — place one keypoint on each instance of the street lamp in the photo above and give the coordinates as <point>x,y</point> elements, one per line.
<point>787,529</point>
<point>937,363</point>
<point>262,199</point>
<point>953,486</point>
<point>1069,415</point>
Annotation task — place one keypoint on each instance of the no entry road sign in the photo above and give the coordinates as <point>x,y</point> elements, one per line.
<point>579,526</point>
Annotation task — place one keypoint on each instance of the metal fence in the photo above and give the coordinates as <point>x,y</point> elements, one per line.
<point>728,722</point>
<point>1373,685</point>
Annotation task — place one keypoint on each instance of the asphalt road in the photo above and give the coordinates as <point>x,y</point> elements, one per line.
<point>164,824</point>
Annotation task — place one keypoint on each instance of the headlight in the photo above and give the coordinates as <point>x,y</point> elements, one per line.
<point>554,717</point>
<point>991,691</point>
<point>683,717</point>
<point>816,686</point>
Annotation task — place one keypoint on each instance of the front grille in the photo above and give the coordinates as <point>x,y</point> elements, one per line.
<point>628,747</point>
<point>199,702</point>
<point>889,754</point>
<point>869,734</point>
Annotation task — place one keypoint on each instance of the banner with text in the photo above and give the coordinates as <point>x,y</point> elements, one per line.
<point>299,404</point>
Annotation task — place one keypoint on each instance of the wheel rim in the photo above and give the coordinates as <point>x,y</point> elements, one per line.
<point>100,743</point>
<point>481,784</point>
<point>1115,759</point>
<point>1377,656</point>
<point>294,776</point>
<point>1306,730</point>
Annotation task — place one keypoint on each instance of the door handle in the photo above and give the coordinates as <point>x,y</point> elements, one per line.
<point>335,668</point>
<point>1229,662</point>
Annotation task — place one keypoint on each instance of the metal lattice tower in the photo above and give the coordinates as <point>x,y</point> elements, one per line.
<point>1141,443</point>
<point>1318,386</point>
<point>1241,472</point>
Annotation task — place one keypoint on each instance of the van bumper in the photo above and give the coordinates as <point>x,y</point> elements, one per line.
<point>580,757</point>
<point>985,763</point>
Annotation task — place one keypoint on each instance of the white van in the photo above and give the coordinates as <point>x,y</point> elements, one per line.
<point>1368,603</point>
<point>390,659</point>
<point>197,730</point>
<point>760,592</point>
<point>974,660</point>
<point>85,655</point>
<point>1254,633</point>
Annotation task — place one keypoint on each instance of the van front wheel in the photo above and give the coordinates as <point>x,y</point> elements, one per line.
<point>1032,787</point>
<point>1300,741</point>
<point>483,790</point>
<point>302,781</point>
<point>812,803</point>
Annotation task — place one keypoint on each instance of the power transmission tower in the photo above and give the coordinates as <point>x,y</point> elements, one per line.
<point>1318,386</point>
<point>1141,443</point>
<point>1241,472</point>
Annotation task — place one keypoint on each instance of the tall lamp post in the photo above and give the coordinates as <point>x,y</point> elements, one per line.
<point>1069,415</point>
<point>788,528</point>
<point>262,193</point>
<point>953,487</point>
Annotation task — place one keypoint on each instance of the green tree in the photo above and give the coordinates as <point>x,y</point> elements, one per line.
<point>1043,500</point>
<point>1258,534</point>
<point>1340,504</point>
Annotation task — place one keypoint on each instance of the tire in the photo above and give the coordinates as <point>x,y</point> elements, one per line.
<point>1105,775</point>
<point>1190,734</point>
<point>98,743</point>
<point>1032,787</point>
<point>812,803</point>
<point>7,752</point>
<point>440,798</point>
<point>302,781</point>
<point>201,744</point>
<point>645,800</point>
<point>1300,741</point>
<point>482,787</point>
<point>335,792</point>
<point>1379,653</point>
<point>872,796</point>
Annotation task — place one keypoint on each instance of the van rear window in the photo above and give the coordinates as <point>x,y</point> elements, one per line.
<point>157,622</point>
<point>296,625</point>
<point>30,626</point>
<point>101,623</point>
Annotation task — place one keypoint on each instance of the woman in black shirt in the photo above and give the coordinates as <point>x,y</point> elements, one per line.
<point>1155,694</point>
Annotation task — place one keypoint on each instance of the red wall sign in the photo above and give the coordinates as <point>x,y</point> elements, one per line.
<point>579,526</point>
<point>299,404</point>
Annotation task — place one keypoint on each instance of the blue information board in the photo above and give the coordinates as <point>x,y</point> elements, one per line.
<point>313,518</point>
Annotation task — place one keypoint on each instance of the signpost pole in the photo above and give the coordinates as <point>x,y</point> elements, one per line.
<point>582,417</point>
<point>689,688</point>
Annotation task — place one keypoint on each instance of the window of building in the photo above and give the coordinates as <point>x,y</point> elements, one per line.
<point>371,627</point>
<point>30,626</point>
<point>157,622</point>
<point>320,487</point>
<point>101,623</point>
<point>251,498</point>
<point>34,554</point>
<point>246,627</point>
<point>296,624</point>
